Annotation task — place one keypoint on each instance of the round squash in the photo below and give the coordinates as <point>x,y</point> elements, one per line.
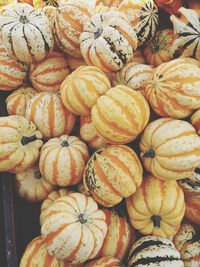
<point>170,149</point>
<point>81,89</point>
<point>143,15</point>
<point>69,22</point>
<point>62,160</point>
<point>157,213</point>
<point>26,33</point>
<point>74,62</point>
<point>195,119</point>
<point>120,115</point>
<point>191,185</point>
<point>108,41</point>
<point>16,103</point>
<point>48,113</point>
<point>100,9</point>
<point>49,74</point>
<point>192,208</point>
<point>74,228</point>
<point>105,262</point>
<point>20,143</point>
<point>158,51</point>
<point>187,242</point>
<point>113,173</point>
<point>154,251</point>
<point>170,6</point>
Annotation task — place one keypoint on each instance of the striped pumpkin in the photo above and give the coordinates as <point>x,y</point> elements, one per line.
<point>16,103</point>
<point>120,115</point>
<point>155,252</point>
<point>26,33</point>
<point>74,228</point>
<point>187,242</point>
<point>12,71</point>
<point>192,208</point>
<point>105,262</point>
<point>30,2</point>
<point>157,213</point>
<point>74,62</point>
<point>48,74</point>
<point>100,9</point>
<point>113,173</point>
<point>195,119</point>
<point>158,50</point>
<point>80,90</point>
<point>108,41</point>
<point>173,90</point>
<point>50,13</point>
<point>191,185</point>
<point>69,22</point>
<point>170,149</point>
<point>20,143</point>
<point>143,15</point>
<point>49,115</point>
<point>31,185</point>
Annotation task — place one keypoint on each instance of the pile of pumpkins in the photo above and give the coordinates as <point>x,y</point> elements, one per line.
<point>103,127</point>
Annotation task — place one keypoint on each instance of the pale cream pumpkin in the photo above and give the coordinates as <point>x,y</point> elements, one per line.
<point>107,261</point>
<point>192,204</point>
<point>195,120</point>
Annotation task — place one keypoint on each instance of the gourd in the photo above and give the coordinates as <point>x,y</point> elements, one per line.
<point>170,6</point>
<point>37,4</point>
<point>195,120</point>
<point>192,204</point>
<point>105,261</point>
<point>109,3</point>
<point>191,185</point>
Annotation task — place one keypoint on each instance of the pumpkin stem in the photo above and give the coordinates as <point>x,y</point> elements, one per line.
<point>82,218</point>
<point>64,143</point>
<point>28,139</point>
<point>148,154</point>
<point>37,175</point>
<point>23,19</point>
<point>156,221</point>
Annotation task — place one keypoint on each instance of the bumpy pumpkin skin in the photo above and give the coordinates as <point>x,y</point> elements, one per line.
<point>170,149</point>
<point>50,116</point>
<point>174,92</point>
<point>81,89</point>
<point>62,160</point>
<point>108,41</point>
<point>192,208</point>
<point>113,173</point>
<point>79,225</point>
<point>187,242</point>
<point>191,185</point>
<point>32,39</point>
<point>143,15</point>
<point>105,261</point>
<point>170,6</point>
<point>120,115</point>
<point>195,120</point>
<point>154,251</point>
<point>16,103</point>
<point>20,143</point>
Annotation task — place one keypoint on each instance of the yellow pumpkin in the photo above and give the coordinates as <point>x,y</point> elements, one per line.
<point>195,119</point>
<point>50,116</point>
<point>74,62</point>
<point>81,89</point>
<point>170,149</point>
<point>157,207</point>
<point>74,228</point>
<point>120,115</point>
<point>113,173</point>
<point>107,261</point>
<point>20,143</point>
<point>192,204</point>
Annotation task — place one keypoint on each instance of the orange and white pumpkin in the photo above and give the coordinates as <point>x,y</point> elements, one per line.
<point>113,173</point>
<point>62,160</point>
<point>69,22</point>
<point>191,184</point>
<point>30,2</point>
<point>20,143</point>
<point>107,261</point>
<point>100,9</point>
<point>74,228</point>
<point>192,204</point>
<point>157,207</point>
<point>16,103</point>
<point>195,120</point>
<point>120,115</point>
<point>170,149</point>
<point>50,116</point>
<point>173,90</point>
<point>108,41</point>
<point>81,89</point>
<point>48,74</point>
<point>26,33</point>
<point>74,62</point>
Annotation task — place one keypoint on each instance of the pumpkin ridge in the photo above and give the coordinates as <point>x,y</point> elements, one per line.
<point>35,250</point>
<point>95,241</point>
<point>51,114</point>
<point>55,168</point>
<point>157,260</point>
<point>72,254</point>
<point>121,233</point>
<point>48,260</point>
<point>73,167</point>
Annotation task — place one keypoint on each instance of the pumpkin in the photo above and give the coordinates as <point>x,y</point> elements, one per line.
<point>195,119</point>
<point>49,115</point>
<point>12,71</point>
<point>187,242</point>
<point>120,115</point>
<point>170,149</point>
<point>192,208</point>
<point>191,185</point>
<point>138,56</point>
<point>74,62</point>
<point>69,22</point>
<point>109,3</point>
<point>100,9</point>
<point>170,6</point>
<point>112,173</point>
<point>158,51</point>
<point>74,228</point>
<point>49,74</point>
<point>81,89</point>
<point>173,90</point>
<point>154,251</point>
<point>89,135</point>
<point>62,160</point>
<point>108,41</point>
<point>157,213</point>
<point>186,29</point>
<point>42,3</point>
<point>20,143</point>
<point>26,33</point>
<point>143,15</point>
<point>17,102</point>
<point>50,13</point>
<point>105,262</point>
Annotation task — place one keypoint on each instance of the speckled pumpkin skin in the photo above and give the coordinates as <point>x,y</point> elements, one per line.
<point>192,208</point>
<point>191,184</point>
<point>105,262</point>
<point>195,120</point>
